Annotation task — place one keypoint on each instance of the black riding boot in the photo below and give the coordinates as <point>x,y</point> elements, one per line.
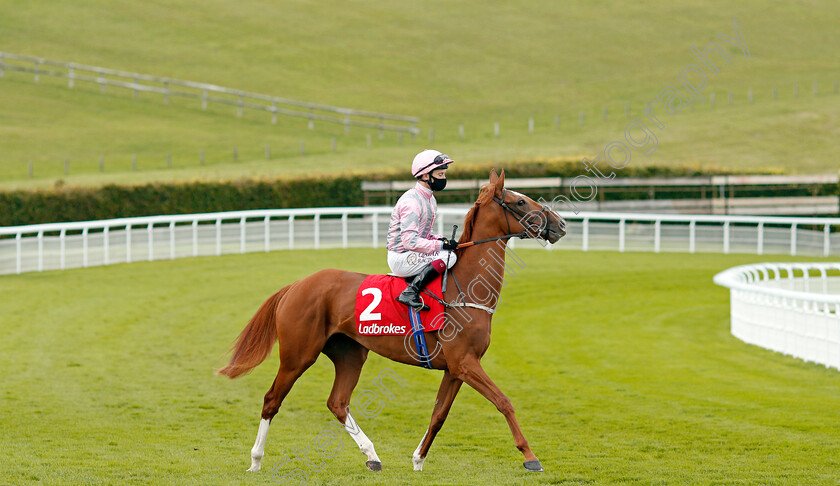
<point>411,295</point>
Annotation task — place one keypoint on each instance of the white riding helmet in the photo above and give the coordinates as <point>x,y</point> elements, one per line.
<point>427,161</point>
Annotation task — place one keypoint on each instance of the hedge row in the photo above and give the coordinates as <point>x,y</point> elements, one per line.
<point>111,201</point>
<point>62,204</point>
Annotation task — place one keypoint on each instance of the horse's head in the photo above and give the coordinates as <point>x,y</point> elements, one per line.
<point>518,213</point>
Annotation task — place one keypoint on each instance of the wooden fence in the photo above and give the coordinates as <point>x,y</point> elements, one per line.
<point>206,94</point>
<point>717,194</point>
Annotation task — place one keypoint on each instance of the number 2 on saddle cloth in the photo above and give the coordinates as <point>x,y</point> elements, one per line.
<point>378,313</point>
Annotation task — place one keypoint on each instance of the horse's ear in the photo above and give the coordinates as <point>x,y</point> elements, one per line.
<point>501,181</point>
<point>493,176</point>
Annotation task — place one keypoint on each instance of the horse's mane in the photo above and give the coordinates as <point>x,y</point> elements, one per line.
<point>484,197</point>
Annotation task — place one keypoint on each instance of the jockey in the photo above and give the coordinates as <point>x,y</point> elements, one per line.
<point>412,248</point>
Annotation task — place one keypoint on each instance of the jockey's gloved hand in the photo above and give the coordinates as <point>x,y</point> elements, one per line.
<point>449,244</point>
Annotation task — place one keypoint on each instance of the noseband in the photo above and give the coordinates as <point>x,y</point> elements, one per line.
<point>543,234</point>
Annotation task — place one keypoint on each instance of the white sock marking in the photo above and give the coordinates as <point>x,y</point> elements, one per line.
<point>259,446</point>
<point>365,445</point>
<point>416,459</point>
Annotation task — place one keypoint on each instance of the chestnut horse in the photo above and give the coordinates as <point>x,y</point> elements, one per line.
<point>316,315</point>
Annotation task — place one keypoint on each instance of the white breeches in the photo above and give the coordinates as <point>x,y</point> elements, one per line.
<point>411,262</point>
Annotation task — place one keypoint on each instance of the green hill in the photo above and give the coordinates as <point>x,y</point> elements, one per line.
<point>450,63</point>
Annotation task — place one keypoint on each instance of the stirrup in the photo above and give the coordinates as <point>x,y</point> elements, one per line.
<point>423,307</point>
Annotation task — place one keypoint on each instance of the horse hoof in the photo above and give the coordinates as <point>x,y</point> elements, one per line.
<point>374,465</point>
<point>534,466</point>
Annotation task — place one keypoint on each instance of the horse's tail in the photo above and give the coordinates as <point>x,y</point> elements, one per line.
<point>256,340</point>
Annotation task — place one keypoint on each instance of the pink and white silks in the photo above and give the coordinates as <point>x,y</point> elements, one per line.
<point>411,243</point>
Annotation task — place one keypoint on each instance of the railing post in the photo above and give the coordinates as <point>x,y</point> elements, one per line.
<point>760,249</point>
<point>241,235</point>
<point>127,243</point>
<point>172,240</point>
<point>218,237</point>
<point>317,235</point>
<point>151,239</point>
<point>692,236</point>
<point>2,64</point>
<point>585,234</point>
<point>344,242</point>
<point>195,237</point>
<point>267,233</point>
<point>62,254</point>
<point>726,237</point>
<point>793,239</point>
<point>70,75</point>
<point>204,100</point>
<point>375,223</point>
<point>106,245</point>
<point>657,236</point>
<point>41,251</point>
<point>827,240</point>
<point>622,234</point>
<point>824,278</point>
<point>292,232</point>
<point>85,247</point>
<point>18,254</point>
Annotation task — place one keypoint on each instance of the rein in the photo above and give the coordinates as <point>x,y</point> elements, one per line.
<point>468,244</point>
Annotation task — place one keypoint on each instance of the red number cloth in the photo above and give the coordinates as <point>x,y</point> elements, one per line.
<point>377,313</point>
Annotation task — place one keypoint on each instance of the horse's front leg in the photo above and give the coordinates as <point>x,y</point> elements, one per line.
<point>449,387</point>
<point>471,372</point>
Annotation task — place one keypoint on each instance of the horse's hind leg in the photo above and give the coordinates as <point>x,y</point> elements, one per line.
<point>295,359</point>
<point>348,356</point>
<point>286,377</point>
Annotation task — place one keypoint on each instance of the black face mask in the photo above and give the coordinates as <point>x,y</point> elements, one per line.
<point>436,184</point>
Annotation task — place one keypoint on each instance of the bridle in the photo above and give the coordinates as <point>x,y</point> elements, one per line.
<point>543,233</point>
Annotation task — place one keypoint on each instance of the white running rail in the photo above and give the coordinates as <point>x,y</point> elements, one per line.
<point>792,308</point>
<point>83,244</point>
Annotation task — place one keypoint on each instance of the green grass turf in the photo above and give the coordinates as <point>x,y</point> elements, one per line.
<point>621,368</point>
<point>450,63</point>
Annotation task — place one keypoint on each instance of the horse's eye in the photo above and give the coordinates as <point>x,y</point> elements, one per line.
<point>521,202</point>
